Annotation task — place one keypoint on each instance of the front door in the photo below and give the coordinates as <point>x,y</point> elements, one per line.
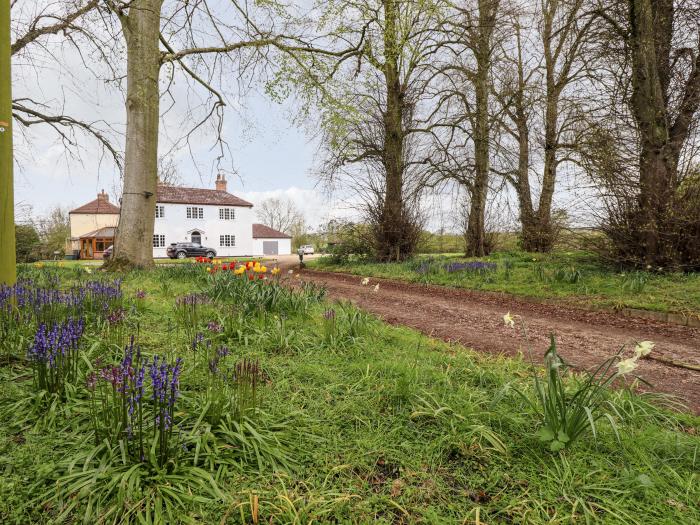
<point>197,238</point>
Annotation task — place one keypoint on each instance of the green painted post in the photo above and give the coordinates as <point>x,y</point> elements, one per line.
<point>8,269</point>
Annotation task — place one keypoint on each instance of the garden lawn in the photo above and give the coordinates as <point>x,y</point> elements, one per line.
<point>356,422</point>
<point>576,278</point>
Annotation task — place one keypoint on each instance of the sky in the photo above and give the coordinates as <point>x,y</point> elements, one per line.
<point>267,155</point>
<point>271,157</point>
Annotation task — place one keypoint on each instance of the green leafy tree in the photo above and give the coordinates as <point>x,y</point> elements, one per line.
<point>27,243</point>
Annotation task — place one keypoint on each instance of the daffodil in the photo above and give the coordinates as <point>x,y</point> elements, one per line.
<point>508,320</point>
<point>88,270</point>
<point>365,281</point>
<point>275,270</point>
<point>376,287</point>
<point>644,348</point>
<point>626,366</point>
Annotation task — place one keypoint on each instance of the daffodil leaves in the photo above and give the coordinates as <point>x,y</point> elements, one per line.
<point>557,440</point>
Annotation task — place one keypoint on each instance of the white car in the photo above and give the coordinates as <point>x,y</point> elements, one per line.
<point>307,249</point>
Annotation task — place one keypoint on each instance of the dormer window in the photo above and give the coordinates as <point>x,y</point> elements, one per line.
<point>160,212</point>
<point>195,213</point>
<point>227,214</point>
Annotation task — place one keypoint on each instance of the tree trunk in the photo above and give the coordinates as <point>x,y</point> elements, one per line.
<point>477,245</point>
<point>476,227</point>
<point>391,238</point>
<point>134,242</point>
<point>651,31</point>
<point>8,268</point>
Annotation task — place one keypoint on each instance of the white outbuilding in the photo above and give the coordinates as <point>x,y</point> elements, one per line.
<point>268,241</point>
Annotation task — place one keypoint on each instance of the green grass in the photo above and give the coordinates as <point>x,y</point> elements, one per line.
<point>381,425</point>
<point>573,277</point>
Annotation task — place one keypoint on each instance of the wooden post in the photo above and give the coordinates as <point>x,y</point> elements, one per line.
<point>8,270</point>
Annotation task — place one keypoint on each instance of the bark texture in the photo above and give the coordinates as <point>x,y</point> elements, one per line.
<point>8,270</point>
<point>133,245</point>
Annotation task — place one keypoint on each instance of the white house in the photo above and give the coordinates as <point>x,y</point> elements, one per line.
<point>213,218</point>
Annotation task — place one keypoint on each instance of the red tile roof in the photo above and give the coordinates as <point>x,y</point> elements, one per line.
<point>179,195</point>
<point>260,231</point>
<point>98,206</point>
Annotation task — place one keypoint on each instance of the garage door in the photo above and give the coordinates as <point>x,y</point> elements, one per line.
<point>270,248</point>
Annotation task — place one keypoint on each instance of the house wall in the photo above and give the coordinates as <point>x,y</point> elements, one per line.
<point>82,223</point>
<point>284,246</point>
<point>178,228</point>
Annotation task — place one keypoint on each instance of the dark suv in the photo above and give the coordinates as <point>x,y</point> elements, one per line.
<point>182,250</point>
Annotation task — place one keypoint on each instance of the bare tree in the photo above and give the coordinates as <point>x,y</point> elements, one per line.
<point>200,40</point>
<point>463,120</point>
<point>369,117</point>
<point>280,214</point>
<point>34,24</point>
<point>653,55</point>
<point>541,107</point>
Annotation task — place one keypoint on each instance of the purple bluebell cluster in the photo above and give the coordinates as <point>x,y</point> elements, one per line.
<point>215,327</point>
<point>221,353</point>
<point>50,344</point>
<point>27,301</point>
<point>136,398</point>
<point>54,354</point>
<point>473,266</point>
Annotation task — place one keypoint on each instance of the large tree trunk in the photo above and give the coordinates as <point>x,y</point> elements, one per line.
<point>477,245</point>
<point>134,242</point>
<point>392,234</point>
<point>8,270</point>
<point>476,227</point>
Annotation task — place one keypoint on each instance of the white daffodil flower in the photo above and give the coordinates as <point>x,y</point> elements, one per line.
<point>626,366</point>
<point>376,287</point>
<point>365,281</point>
<point>508,320</point>
<point>644,348</point>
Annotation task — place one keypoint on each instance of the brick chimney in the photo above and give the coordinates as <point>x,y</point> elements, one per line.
<point>220,182</point>
<point>102,197</point>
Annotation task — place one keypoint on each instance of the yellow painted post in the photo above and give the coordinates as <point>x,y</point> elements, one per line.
<point>8,269</point>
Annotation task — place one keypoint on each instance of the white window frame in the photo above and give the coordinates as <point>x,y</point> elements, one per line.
<point>227,241</point>
<point>158,240</point>
<point>160,211</point>
<point>227,214</point>
<point>195,212</point>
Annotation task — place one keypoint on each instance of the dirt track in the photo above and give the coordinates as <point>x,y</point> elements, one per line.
<point>475,319</point>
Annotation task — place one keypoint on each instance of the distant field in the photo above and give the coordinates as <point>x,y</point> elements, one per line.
<point>575,277</point>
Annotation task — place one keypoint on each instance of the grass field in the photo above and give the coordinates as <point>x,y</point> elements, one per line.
<point>574,277</point>
<point>352,421</point>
